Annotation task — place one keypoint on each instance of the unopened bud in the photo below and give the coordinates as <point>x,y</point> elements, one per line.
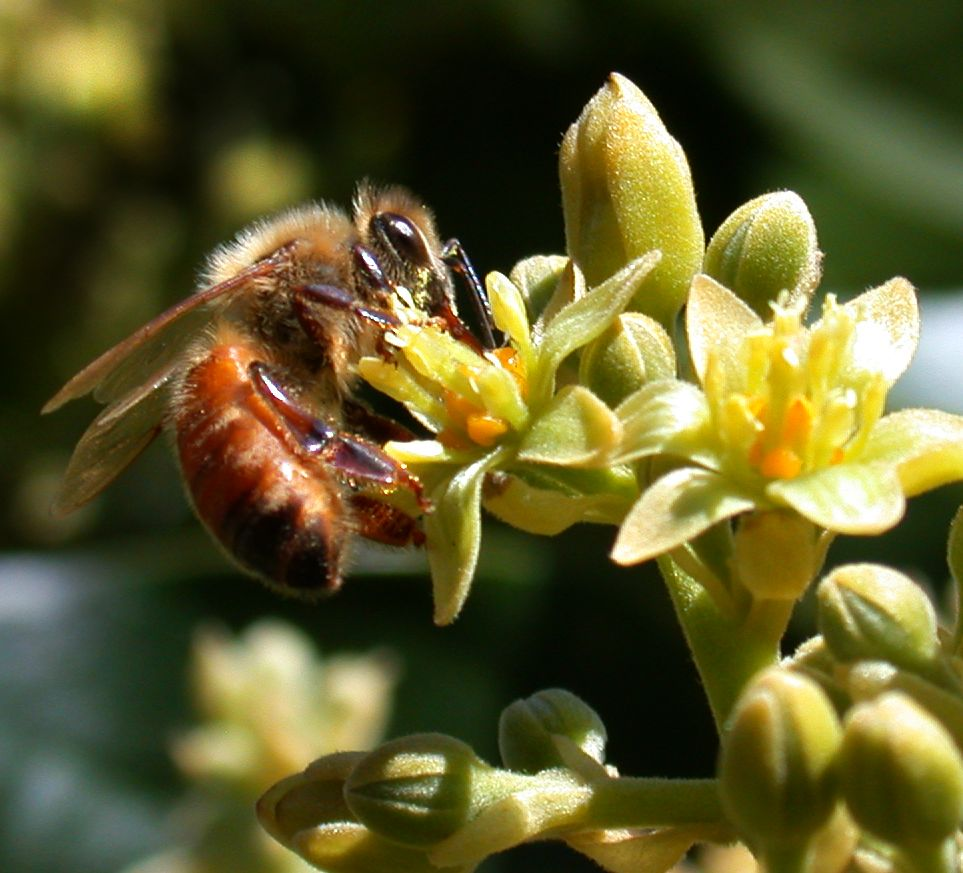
<point>777,770</point>
<point>634,350</point>
<point>419,790</point>
<point>626,190</point>
<point>767,247</point>
<point>307,814</point>
<point>530,731</point>
<point>901,773</point>
<point>871,612</point>
<point>776,554</point>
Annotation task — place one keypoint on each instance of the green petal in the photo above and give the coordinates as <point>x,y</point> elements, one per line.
<point>581,321</point>
<point>665,417</point>
<point>547,512</point>
<point>716,320</point>
<point>402,385</point>
<point>453,532</point>
<point>888,328</point>
<point>925,445</point>
<point>677,508</point>
<point>848,498</point>
<point>577,429</point>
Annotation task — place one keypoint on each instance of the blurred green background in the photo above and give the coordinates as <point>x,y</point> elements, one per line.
<point>136,135</point>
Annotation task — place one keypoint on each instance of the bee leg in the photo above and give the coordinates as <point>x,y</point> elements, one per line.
<point>455,256</point>
<point>353,458</point>
<point>379,427</point>
<point>334,297</point>
<point>381,523</point>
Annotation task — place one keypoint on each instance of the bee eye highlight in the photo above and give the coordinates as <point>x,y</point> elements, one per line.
<point>403,237</point>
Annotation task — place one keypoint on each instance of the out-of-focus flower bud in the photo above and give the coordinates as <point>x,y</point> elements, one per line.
<point>901,773</point>
<point>419,790</point>
<point>533,733</point>
<point>635,350</point>
<point>766,247</point>
<point>626,190</point>
<point>954,559</point>
<point>307,814</point>
<point>776,554</point>
<point>866,680</point>
<point>871,612</point>
<point>777,769</point>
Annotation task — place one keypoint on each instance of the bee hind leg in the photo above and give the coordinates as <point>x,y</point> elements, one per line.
<point>353,459</point>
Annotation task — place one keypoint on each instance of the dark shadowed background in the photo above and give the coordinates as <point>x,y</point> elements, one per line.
<point>135,136</point>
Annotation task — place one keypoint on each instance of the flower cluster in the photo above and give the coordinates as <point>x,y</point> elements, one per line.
<point>733,459</point>
<point>582,416</point>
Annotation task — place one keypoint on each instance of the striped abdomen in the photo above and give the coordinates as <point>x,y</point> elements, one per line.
<point>278,511</point>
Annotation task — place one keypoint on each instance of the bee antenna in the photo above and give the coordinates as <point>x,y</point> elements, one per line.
<point>454,255</point>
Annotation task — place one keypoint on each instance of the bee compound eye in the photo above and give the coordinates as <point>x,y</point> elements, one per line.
<point>403,236</point>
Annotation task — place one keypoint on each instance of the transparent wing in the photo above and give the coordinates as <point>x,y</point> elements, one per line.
<point>122,369</point>
<point>114,439</point>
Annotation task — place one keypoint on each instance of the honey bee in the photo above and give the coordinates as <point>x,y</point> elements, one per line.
<point>253,377</point>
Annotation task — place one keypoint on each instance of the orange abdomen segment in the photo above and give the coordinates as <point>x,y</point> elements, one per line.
<point>281,520</point>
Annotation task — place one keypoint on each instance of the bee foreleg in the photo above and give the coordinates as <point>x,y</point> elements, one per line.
<point>352,458</point>
<point>334,297</point>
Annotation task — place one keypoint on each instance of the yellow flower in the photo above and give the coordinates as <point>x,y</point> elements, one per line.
<point>503,412</point>
<point>789,417</point>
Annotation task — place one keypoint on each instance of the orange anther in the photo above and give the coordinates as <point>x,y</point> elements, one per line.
<point>798,422</point>
<point>780,463</point>
<point>485,429</point>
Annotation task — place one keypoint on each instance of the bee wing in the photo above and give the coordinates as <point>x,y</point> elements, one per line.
<point>114,439</point>
<point>120,370</point>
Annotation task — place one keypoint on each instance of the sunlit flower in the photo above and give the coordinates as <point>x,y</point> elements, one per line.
<point>789,417</point>
<point>506,429</point>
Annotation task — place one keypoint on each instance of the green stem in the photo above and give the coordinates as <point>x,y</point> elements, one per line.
<point>727,651</point>
<point>631,802</point>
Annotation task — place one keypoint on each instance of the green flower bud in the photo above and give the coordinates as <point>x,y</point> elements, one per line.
<point>777,768</point>
<point>626,190</point>
<point>902,776</point>
<point>308,799</point>
<point>307,814</point>
<point>419,790</point>
<point>533,733</point>
<point>866,680</point>
<point>871,612</point>
<point>954,559</point>
<point>776,554</point>
<point>766,247</point>
<point>635,350</point>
